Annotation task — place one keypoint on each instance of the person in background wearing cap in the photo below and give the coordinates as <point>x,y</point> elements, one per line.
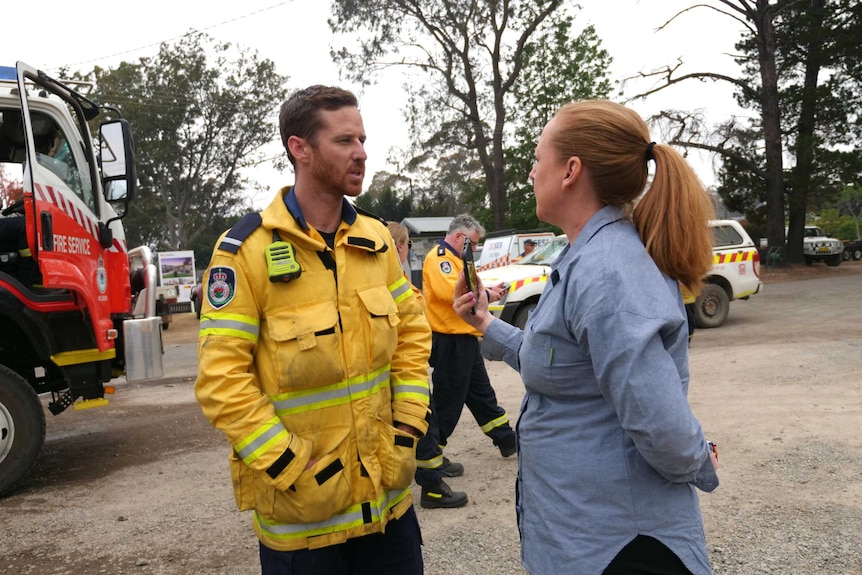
<point>529,246</point>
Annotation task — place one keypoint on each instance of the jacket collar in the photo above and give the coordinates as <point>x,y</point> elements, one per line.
<point>353,231</point>
<point>348,213</point>
<point>446,246</point>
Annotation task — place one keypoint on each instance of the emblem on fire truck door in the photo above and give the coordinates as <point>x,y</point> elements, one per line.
<point>101,276</point>
<point>222,286</point>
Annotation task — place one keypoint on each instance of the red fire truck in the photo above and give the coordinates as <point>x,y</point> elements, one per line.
<point>77,307</point>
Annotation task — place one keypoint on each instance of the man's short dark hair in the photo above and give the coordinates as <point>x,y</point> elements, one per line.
<point>300,113</point>
<point>529,242</point>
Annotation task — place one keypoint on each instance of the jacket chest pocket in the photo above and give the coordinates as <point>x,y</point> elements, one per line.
<point>380,324</point>
<point>306,345</point>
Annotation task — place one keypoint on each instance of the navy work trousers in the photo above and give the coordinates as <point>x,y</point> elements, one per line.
<point>428,449</point>
<point>398,551</point>
<point>459,378</point>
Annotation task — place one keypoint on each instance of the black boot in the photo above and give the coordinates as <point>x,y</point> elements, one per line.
<point>509,446</point>
<point>442,496</point>
<point>451,468</point>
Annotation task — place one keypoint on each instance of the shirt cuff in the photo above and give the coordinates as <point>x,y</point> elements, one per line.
<point>707,478</point>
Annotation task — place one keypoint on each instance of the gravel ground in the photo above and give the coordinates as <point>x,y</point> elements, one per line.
<point>142,486</point>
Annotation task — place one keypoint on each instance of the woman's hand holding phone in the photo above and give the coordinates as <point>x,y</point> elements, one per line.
<point>470,277</point>
<point>472,307</point>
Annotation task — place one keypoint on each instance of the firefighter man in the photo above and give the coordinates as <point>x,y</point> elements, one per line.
<point>313,355</point>
<point>459,377</point>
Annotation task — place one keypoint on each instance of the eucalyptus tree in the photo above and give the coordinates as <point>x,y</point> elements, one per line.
<point>559,66</point>
<point>800,74</point>
<point>202,113</point>
<point>467,58</point>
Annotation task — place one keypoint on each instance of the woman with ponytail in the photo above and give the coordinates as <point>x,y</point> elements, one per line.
<point>610,453</point>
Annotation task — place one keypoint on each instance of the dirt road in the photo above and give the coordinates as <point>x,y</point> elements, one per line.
<point>142,485</point>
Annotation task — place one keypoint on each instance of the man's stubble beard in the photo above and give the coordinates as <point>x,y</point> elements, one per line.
<point>329,176</point>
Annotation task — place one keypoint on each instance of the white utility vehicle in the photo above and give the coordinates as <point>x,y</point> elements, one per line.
<point>526,280</point>
<point>734,275</point>
<point>502,249</point>
<point>818,247</point>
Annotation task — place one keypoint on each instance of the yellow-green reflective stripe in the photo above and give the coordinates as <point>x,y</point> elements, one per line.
<point>261,440</point>
<point>494,423</point>
<point>335,394</point>
<point>351,517</point>
<point>412,389</point>
<point>400,290</point>
<point>230,324</point>
<point>432,463</point>
<point>25,253</point>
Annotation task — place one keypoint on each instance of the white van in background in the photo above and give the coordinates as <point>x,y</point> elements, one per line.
<point>735,275</point>
<point>526,280</point>
<point>502,249</point>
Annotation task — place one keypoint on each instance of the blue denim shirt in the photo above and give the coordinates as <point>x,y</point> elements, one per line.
<point>608,445</point>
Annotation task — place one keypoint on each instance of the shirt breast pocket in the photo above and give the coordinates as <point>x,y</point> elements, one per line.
<point>306,342</point>
<point>554,364</point>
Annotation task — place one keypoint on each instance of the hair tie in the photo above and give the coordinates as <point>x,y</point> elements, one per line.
<point>649,148</point>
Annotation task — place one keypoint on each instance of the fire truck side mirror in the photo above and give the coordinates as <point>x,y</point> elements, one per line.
<point>106,236</point>
<point>117,159</point>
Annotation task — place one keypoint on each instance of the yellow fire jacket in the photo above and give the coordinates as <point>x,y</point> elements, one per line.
<point>440,271</point>
<point>306,377</point>
<point>687,296</point>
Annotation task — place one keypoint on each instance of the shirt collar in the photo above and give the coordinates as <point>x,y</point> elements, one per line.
<point>606,215</point>
<point>446,245</point>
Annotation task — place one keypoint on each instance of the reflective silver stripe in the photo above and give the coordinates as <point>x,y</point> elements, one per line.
<point>494,423</point>
<point>433,463</point>
<point>353,516</point>
<point>229,240</point>
<point>328,396</point>
<point>207,323</point>
<point>404,287</point>
<point>404,388</point>
<point>260,440</point>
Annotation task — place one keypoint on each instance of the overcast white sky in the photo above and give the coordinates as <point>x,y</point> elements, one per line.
<point>294,34</point>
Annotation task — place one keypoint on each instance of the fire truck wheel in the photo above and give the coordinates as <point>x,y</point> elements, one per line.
<point>711,307</point>
<point>22,429</point>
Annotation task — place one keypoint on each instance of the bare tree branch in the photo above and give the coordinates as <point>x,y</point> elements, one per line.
<point>668,71</point>
<point>722,12</point>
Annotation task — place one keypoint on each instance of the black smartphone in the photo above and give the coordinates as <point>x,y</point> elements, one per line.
<point>470,271</point>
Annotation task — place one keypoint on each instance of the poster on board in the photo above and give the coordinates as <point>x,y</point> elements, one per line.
<point>178,268</point>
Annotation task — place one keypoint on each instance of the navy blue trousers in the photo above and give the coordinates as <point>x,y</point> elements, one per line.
<point>428,449</point>
<point>398,551</point>
<point>459,378</point>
